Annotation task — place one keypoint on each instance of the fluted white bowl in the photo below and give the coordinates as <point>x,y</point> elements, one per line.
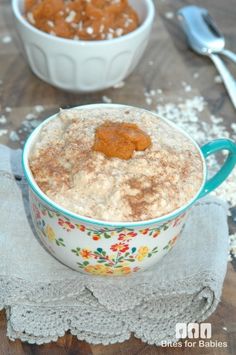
<point>84,66</point>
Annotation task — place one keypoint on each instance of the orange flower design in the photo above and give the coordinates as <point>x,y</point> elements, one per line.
<point>96,237</point>
<point>81,227</point>
<point>152,232</point>
<point>36,211</point>
<point>155,234</point>
<point>85,253</point>
<point>122,270</point>
<point>144,231</point>
<point>120,247</point>
<point>173,241</point>
<point>99,269</point>
<point>127,236</point>
<point>178,220</point>
<point>65,224</point>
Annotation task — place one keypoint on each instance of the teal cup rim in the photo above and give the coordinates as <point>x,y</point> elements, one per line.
<point>44,198</point>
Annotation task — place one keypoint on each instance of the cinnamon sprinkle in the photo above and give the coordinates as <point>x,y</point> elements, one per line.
<point>154,182</point>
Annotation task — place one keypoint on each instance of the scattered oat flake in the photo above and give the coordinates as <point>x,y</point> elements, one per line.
<point>148,100</point>
<point>3,119</point>
<point>6,39</point>
<point>109,36</point>
<point>30,17</point>
<point>39,108</point>
<point>34,123</point>
<point>71,16</point>
<point>119,85</point>
<point>29,125</point>
<point>30,116</point>
<point>169,15</point>
<point>3,131</point>
<point>187,88</point>
<point>232,245</point>
<point>196,75</point>
<point>14,136</point>
<point>218,79</point>
<point>106,99</point>
<point>89,30</point>
<point>8,109</point>
<point>50,23</point>
<point>101,28</point>
<point>119,32</point>
<point>225,328</point>
<point>233,126</point>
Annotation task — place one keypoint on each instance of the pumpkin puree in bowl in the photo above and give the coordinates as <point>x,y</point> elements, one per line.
<point>82,19</point>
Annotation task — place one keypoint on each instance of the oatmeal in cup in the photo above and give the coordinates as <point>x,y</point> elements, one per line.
<point>111,185</point>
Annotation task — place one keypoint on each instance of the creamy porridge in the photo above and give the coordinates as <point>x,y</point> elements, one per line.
<point>149,184</point>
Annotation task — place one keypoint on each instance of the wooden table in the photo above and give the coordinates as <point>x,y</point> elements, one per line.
<point>166,64</point>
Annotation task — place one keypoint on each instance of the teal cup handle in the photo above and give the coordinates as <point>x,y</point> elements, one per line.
<point>211,148</point>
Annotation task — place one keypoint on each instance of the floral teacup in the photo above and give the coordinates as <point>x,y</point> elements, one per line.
<point>108,248</point>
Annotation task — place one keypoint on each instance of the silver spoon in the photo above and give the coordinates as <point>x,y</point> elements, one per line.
<point>211,38</point>
<point>205,39</point>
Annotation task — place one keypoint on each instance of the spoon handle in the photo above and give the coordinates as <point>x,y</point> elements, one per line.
<point>228,79</point>
<point>229,54</point>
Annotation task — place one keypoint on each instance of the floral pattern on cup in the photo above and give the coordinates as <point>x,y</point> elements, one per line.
<point>107,233</point>
<point>46,229</point>
<point>102,250</point>
<point>171,243</point>
<point>118,262</point>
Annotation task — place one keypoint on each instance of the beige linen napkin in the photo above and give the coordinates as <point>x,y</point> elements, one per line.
<point>43,298</point>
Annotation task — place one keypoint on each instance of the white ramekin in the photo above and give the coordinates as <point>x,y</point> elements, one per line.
<point>84,66</point>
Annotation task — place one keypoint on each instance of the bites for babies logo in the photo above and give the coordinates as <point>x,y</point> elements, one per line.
<point>186,332</point>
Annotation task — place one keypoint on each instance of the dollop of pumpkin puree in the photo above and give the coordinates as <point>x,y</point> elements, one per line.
<point>120,140</point>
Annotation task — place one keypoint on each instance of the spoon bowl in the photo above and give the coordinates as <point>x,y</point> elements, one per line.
<point>203,35</point>
<point>204,38</point>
